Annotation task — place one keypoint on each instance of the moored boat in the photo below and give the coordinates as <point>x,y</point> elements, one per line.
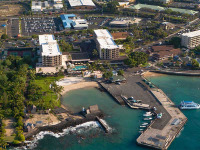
<point>144,124</point>
<point>189,105</point>
<point>147,118</point>
<point>147,114</point>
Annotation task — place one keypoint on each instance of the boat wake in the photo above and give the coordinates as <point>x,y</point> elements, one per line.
<point>85,127</point>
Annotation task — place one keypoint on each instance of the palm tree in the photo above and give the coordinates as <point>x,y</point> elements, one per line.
<point>40,70</point>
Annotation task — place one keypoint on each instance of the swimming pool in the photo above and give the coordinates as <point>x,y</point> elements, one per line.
<point>79,67</point>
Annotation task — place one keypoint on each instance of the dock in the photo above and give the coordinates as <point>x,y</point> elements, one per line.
<point>161,139</point>
<point>104,126</point>
<point>161,132</point>
<point>117,97</point>
<point>135,105</point>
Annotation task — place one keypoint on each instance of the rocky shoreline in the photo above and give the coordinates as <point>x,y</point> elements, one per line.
<point>63,125</point>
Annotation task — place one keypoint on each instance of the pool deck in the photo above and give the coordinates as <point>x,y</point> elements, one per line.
<point>160,133</point>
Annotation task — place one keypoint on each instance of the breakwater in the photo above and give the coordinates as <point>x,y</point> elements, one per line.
<point>63,125</point>
<point>178,73</point>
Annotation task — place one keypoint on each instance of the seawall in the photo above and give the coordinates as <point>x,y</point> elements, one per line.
<point>180,73</point>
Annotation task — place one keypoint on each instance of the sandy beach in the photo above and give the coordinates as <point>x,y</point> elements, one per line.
<point>73,83</point>
<point>79,86</point>
<point>152,74</point>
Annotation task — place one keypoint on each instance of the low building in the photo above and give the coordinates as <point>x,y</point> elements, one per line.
<point>159,8</point>
<point>124,22</point>
<point>105,44</point>
<point>81,4</point>
<point>29,127</point>
<point>166,1</point>
<point>70,21</point>
<point>36,6</point>
<point>164,52</point>
<point>117,78</point>
<point>191,39</point>
<point>39,6</point>
<point>50,53</point>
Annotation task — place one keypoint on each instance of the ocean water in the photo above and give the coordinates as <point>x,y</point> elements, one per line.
<point>180,88</point>
<point>125,122</point>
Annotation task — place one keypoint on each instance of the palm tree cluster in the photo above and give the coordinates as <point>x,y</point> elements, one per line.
<point>13,77</point>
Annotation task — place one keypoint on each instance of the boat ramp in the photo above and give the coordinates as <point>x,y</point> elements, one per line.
<point>135,105</point>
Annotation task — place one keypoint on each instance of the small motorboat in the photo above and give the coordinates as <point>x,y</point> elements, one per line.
<point>147,114</point>
<point>147,118</point>
<point>144,124</point>
<point>141,129</point>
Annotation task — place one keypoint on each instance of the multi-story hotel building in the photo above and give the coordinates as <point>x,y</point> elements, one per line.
<point>105,44</point>
<point>191,39</point>
<point>49,51</point>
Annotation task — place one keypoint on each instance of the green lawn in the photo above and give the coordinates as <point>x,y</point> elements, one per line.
<point>44,83</point>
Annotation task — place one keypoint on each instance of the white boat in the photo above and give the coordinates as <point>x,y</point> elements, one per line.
<point>147,114</point>
<point>142,126</point>
<point>147,118</point>
<point>141,129</point>
<point>189,105</point>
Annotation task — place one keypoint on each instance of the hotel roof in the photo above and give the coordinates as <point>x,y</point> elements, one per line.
<point>74,3</point>
<point>105,39</point>
<point>49,45</point>
<point>192,34</point>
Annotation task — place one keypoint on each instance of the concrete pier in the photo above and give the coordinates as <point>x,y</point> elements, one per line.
<point>161,139</point>
<point>116,96</point>
<point>161,132</point>
<point>104,126</point>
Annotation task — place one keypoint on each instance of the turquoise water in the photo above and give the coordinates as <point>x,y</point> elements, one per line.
<point>125,121</point>
<point>79,67</point>
<point>183,88</point>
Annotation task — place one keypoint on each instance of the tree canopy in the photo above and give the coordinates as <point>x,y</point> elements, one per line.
<point>136,58</point>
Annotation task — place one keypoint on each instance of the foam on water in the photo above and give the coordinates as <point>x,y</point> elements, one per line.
<point>77,129</point>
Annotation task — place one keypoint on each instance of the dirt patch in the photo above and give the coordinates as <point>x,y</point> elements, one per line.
<point>44,119</point>
<point>9,127</point>
<point>11,10</point>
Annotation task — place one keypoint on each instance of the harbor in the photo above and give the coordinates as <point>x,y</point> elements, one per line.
<point>161,131</point>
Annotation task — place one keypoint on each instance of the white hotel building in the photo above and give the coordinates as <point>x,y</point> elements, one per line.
<point>49,51</point>
<point>191,39</point>
<point>105,44</point>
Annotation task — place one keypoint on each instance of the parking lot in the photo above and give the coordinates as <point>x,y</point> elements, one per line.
<point>13,27</point>
<point>95,22</point>
<point>32,26</point>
